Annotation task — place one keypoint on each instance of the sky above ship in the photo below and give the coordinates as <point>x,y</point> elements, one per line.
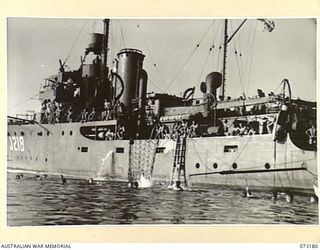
<point>179,54</point>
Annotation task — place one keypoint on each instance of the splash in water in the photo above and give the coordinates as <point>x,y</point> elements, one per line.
<point>144,183</point>
<point>106,166</point>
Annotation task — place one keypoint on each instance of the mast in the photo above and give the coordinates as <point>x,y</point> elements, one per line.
<point>225,44</point>
<point>224,58</point>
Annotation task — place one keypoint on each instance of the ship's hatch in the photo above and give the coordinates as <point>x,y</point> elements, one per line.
<point>99,133</point>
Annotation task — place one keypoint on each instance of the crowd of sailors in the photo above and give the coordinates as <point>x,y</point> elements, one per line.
<point>54,112</point>
<point>230,128</point>
<point>180,128</point>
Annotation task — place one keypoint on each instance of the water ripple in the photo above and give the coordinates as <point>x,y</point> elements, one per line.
<point>48,202</point>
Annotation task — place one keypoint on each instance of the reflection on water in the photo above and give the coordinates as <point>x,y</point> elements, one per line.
<point>48,202</point>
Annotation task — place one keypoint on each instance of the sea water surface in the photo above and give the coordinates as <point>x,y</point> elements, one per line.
<point>32,202</point>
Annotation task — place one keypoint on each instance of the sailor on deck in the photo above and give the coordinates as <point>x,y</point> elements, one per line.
<point>312,133</point>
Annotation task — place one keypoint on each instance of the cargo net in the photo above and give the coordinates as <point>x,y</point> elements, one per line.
<point>141,161</point>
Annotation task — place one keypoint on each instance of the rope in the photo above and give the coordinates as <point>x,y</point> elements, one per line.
<point>245,145</point>
<point>213,41</point>
<point>152,58</point>
<point>188,58</point>
<point>238,65</point>
<point>75,41</point>
<point>154,84</point>
<point>204,66</point>
<point>122,35</point>
<point>220,47</point>
<point>17,104</point>
<point>251,57</point>
<point>241,61</point>
<point>247,58</point>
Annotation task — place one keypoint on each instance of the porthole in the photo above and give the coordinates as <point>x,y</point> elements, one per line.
<point>8,134</point>
<point>197,165</point>
<point>234,165</point>
<point>119,150</point>
<point>21,133</point>
<point>215,165</point>
<point>36,158</point>
<point>84,149</point>
<point>15,133</point>
<point>46,160</point>
<point>267,165</point>
<point>62,133</point>
<point>70,132</point>
<point>48,133</point>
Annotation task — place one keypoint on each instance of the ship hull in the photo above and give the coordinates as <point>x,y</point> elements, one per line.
<point>234,161</point>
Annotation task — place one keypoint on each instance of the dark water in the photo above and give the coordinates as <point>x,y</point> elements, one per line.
<point>49,202</point>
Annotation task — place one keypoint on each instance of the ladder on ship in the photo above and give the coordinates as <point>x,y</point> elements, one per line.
<point>178,177</point>
<point>142,155</point>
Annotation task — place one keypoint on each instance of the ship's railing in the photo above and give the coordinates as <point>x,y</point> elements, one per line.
<point>21,119</point>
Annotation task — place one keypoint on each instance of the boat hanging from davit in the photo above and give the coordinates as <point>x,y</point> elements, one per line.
<point>98,122</point>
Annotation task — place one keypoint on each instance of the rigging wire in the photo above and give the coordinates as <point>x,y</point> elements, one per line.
<point>240,54</point>
<point>204,65</point>
<point>93,26</point>
<point>122,34</point>
<point>220,47</point>
<point>237,60</point>
<point>211,49</point>
<point>154,84</point>
<point>247,58</point>
<point>251,60</point>
<point>214,35</point>
<point>188,58</point>
<point>152,58</point>
<point>75,41</point>
<point>28,99</point>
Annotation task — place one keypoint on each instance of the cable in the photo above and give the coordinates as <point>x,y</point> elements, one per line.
<point>75,41</point>
<point>17,104</point>
<point>188,58</point>
<point>122,35</point>
<point>152,58</point>
<point>204,66</point>
<point>239,71</point>
<point>251,61</point>
<point>220,47</point>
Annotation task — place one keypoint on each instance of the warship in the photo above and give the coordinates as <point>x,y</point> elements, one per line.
<point>99,123</point>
